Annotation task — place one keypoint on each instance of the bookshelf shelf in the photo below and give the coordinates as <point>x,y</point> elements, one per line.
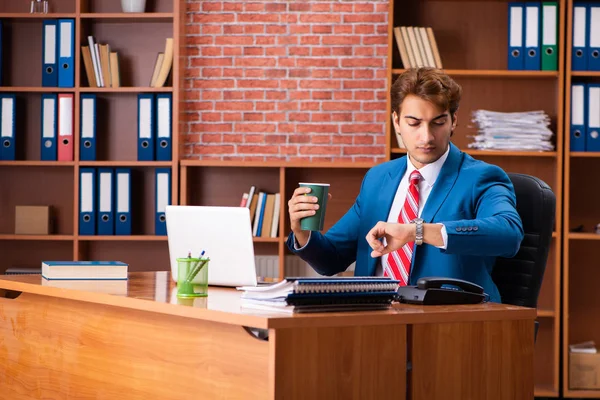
<point>119,238</point>
<point>126,163</point>
<point>37,163</point>
<point>126,89</point>
<point>582,394</point>
<point>266,240</point>
<point>129,17</point>
<point>37,237</point>
<point>583,236</point>
<point>274,164</point>
<point>489,73</point>
<point>546,313</point>
<point>36,16</point>
<point>585,154</point>
<point>35,89</point>
<point>587,74</point>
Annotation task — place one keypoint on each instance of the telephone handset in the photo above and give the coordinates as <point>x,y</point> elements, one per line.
<point>439,290</point>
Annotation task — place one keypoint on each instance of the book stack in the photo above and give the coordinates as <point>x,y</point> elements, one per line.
<point>264,211</point>
<point>84,270</point>
<point>303,294</point>
<point>101,64</point>
<point>417,47</point>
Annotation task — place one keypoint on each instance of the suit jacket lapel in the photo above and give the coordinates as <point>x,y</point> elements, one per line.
<point>387,192</point>
<point>443,184</point>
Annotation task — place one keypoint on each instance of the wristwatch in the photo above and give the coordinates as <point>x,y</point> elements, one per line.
<point>419,235</point>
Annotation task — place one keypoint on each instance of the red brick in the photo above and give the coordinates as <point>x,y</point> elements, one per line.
<point>233,30</point>
<point>299,138</point>
<point>254,95</point>
<point>250,116</point>
<point>361,139</point>
<point>298,51</point>
<point>287,106</point>
<point>276,7</point>
<point>363,52</point>
<point>299,7</point>
<point>363,8</point>
<point>286,128</point>
<point>374,106</point>
<point>289,19</point>
<point>248,149</point>
<point>255,83</point>
<point>363,63</point>
<point>265,105</point>
<point>342,74</point>
<point>318,62</point>
<point>318,84</point>
<point>254,51</point>
<point>299,117</point>
<point>356,150</point>
<point>364,84</point>
<point>199,105</point>
<point>212,51</point>
<point>203,19</point>
<point>320,139</point>
<point>299,73</point>
<point>241,127</point>
<point>212,95</point>
<point>363,18</point>
<point>204,127</point>
<point>341,117</point>
<point>382,7</point>
<point>380,139</point>
<point>276,51</point>
<point>199,40</point>
<point>363,95</point>
<point>380,95</point>
<point>322,74</point>
<point>212,30</point>
<point>299,29</point>
<point>254,138</point>
<point>265,41</point>
<point>192,138</point>
<point>310,106</point>
<point>275,73</point>
<point>276,29</point>
<point>363,74</point>
<point>287,40</point>
<point>330,150</point>
<point>322,29</point>
<point>342,139</point>
<point>272,139</point>
<point>192,7</point>
<point>232,116</point>
<point>342,51</point>
<point>204,149</point>
<point>310,40</point>
<point>320,117</point>
<point>286,62</point>
<point>211,73</point>
<point>322,95</point>
<point>212,6</point>
<point>288,150</point>
<point>276,117</point>
<point>235,106</point>
<point>233,72</point>
<point>214,83</point>
<point>276,95</point>
<point>254,73</point>
<point>233,138</point>
<point>339,96</point>
<point>233,95</point>
<point>212,62</point>
<point>212,138</point>
<point>341,106</point>
<point>381,29</point>
<point>343,30</point>
<point>317,128</point>
<point>371,40</point>
<point>320,51</point>
<point>232,51</point>
<point>342,8</point>
<point>237,7</point>
<point>363,117</point>
<point>254,29</point>
<point>341,40</point>
<point>291,84</point>
<point>264,18</point>
<point>254,7</point>
<point>298,94</point>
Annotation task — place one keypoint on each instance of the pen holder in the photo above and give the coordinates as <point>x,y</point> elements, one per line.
<point>192,277</point>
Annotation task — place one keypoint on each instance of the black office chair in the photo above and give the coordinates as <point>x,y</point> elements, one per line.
<point>519,278</point>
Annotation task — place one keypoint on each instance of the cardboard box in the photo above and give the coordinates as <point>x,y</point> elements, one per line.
<point>584,370</point>
<point>32,220</point>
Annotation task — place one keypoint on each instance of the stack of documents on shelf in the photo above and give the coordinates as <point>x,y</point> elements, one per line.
<point>512,131</point>
<point>84,270</point>
<point>585,347</point>
<point>303,294</point>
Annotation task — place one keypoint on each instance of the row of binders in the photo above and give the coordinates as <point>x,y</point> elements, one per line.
<point>585,117</point>
<point>264,212</point>
<point>585,55</point>
<point>58,53</point>
<point>533,36</point>
<point>105,201</point>
<point>417,47</point>
<point>155,126</point>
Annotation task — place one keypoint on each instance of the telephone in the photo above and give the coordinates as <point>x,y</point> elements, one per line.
<point>439,290</point>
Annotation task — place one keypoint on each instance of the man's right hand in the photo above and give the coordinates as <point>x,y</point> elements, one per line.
<point>300,206</point>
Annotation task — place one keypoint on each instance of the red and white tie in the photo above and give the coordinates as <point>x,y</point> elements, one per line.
<point>396,264</point>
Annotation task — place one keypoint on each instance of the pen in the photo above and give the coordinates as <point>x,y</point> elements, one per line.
<point>195,269</point>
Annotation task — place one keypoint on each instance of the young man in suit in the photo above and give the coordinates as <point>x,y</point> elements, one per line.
<point>438,211</point>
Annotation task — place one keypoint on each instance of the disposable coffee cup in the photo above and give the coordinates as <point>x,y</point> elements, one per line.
<point>316,222</point>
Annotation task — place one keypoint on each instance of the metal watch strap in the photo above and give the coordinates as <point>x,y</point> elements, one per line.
<point>419,236</point>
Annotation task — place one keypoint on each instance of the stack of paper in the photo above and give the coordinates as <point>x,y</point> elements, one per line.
<point>305,294</point>
<point>513,131</point>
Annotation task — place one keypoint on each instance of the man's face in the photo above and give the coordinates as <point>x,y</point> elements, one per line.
<point>425,129</point>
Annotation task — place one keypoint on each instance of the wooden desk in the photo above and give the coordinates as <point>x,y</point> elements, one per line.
<point>145,344</point>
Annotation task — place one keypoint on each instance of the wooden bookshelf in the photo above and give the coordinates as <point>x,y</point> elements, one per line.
<point>581,300</point>
<point>479,65</point>
<point>138,38</point>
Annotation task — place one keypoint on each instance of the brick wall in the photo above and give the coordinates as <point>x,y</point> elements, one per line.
<point>289,79</point>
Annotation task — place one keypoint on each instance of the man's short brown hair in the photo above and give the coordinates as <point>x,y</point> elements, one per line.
<point>430,84</point>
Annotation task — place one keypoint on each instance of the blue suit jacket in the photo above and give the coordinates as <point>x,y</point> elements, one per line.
<point>474,200</point>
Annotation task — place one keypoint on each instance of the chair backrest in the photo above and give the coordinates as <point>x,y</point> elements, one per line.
<point>519,278</point>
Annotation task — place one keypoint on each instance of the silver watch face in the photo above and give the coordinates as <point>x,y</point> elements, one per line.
<point>414,221</point>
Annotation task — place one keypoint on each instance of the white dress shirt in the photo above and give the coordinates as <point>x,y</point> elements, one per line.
<point>430,173</point>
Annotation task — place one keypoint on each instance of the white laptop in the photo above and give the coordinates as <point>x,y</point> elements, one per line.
<point>224,233</point>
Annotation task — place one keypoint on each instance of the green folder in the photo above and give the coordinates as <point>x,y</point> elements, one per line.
<point>549,35</point>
